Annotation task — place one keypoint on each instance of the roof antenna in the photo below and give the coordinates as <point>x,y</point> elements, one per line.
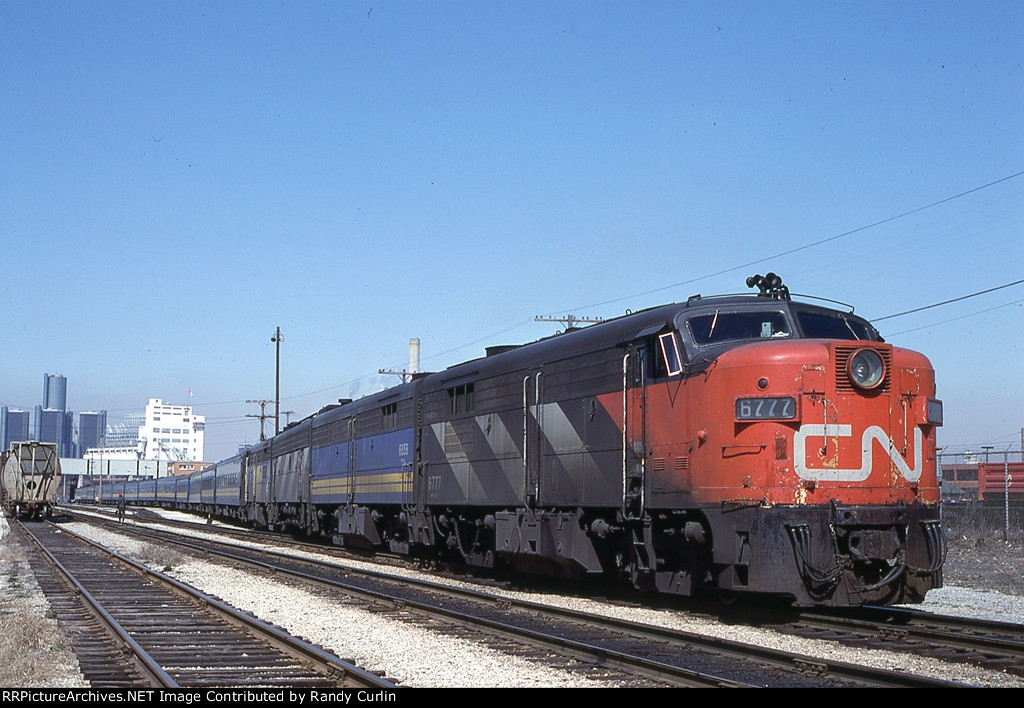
<point>770,286</point>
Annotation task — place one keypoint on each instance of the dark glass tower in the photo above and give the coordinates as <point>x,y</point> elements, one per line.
<point>92,428</point>
<point>13,426</point>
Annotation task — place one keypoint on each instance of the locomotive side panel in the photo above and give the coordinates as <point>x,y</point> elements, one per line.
<point>288,461</point>
<point>259,482</point>
<point>471,441</point>
<point>331,460</point>
<point>382,464</point>
<point>581,443</point>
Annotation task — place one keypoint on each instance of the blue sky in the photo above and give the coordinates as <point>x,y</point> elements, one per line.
<point>178,179</point>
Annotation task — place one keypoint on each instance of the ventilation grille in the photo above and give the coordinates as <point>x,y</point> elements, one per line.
<point>660,464</point>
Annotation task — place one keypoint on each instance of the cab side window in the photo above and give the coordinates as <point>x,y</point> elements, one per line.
<point>668,353</point>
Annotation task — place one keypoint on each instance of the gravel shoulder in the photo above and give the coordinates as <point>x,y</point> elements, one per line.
<point>981,578</point>
<point>985,564</point>
<point>34,651</point>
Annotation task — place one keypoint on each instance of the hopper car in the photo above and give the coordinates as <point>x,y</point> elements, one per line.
<point>31,479</point>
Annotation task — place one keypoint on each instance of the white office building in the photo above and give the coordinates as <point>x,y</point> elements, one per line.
<point>171,432</point>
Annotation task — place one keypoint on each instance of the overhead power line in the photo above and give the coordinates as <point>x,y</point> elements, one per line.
<point>808,245</point>
<point>954,319</point>
<point>947,302</point>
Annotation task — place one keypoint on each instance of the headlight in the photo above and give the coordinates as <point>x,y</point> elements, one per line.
<point>866,369</point>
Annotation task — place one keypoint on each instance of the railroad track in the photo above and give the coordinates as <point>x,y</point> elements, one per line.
<point>131,626</point>
<point>998,646</point>
<point>666,657</point>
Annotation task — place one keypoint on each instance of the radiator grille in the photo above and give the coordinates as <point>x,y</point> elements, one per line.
<point>843,354</point>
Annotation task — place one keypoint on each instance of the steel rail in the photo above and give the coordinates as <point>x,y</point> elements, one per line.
<point>331,667</point>
<point>651,669</point>
<point>939,635</point>
<point>150,669</point>
<point>788,661</point>
<point>335,667</point>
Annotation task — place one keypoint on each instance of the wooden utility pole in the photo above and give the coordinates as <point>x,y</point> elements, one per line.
<point>277,339</point>
<point>262,416</point>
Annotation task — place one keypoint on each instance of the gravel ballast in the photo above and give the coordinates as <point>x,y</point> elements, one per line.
<point>417,656</point>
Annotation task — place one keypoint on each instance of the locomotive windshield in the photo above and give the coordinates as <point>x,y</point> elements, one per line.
<point>819,325</point>
<point>718,327</point>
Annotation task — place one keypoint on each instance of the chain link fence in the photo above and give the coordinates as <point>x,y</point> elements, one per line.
<point>983,493</point>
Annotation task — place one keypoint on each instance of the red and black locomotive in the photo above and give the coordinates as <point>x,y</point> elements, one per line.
<point>739,444</point>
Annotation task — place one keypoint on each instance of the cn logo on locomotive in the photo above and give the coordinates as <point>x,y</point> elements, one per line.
<point>859,474</point>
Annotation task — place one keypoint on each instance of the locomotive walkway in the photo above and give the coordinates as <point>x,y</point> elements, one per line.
<point>134,627</point>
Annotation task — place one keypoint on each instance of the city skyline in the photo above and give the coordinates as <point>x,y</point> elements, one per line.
<point>149,435</point>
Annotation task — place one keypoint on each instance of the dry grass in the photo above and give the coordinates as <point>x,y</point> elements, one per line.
<point>160,558</point>
<point>34,651</point>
